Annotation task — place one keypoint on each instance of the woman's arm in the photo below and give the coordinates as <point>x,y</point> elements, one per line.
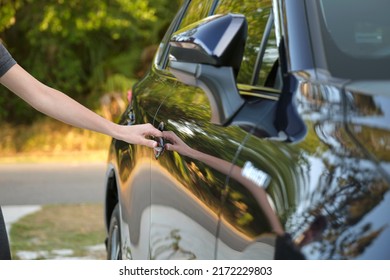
<point>63,108</point>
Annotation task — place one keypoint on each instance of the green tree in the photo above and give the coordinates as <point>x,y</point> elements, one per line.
<point>77,45</point>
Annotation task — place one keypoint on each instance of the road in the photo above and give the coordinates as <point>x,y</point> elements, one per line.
<point>48,183</point>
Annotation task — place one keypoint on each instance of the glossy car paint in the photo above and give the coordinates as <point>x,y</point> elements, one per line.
<point>313,166</point>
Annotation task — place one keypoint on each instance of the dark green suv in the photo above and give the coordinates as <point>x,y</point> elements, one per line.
<point>276,136</point>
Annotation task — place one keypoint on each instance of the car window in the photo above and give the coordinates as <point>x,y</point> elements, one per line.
<point>257,13</point>
<point>267,69</point>
<point>162,48</point>
<point>197,10</point>
<point>365,32</point>
<point>191,12</point>
<point>356,46</point>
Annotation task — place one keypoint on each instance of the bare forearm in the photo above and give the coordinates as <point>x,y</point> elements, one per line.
<point>63,108</point>
<point>55,103</point>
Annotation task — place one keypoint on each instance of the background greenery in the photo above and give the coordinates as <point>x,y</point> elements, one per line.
<point>84,48</point>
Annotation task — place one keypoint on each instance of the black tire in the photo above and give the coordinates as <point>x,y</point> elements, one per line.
<point>5,253</point>
<point>114,242</point>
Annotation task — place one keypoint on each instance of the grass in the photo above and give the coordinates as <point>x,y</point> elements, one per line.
<point>58,231</point>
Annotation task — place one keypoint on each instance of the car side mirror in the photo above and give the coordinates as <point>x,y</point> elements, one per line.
<point>208,54</point>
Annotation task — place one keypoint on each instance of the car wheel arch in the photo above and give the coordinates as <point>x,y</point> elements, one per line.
<point>111,197</point>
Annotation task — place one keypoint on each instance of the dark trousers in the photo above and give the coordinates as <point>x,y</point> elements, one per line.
<point>5,253</point>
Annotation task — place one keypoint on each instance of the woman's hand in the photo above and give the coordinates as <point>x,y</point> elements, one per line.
<point>138,134</point>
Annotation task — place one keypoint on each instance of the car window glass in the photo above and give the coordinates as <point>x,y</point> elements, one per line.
<point>160,57</point>
<point>269,74</point>
<point>197,10</point>
<point>256,13</point>
<point>193,12</point>
<point>356,46</point>
<point>365,32</point>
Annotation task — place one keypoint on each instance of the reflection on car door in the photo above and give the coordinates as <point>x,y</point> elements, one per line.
<point>187,193</point>
<point>257,195</point>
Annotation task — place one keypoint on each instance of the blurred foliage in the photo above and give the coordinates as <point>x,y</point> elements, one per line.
<point>76,45</point>
<point>7,11</point>
<point>48,136</point>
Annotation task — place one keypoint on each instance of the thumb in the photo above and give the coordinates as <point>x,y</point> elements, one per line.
<point>149,143</point>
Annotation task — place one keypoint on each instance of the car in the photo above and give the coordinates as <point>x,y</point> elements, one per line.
<point>276,138</point>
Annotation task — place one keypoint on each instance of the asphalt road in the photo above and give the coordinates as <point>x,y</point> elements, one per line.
<point>38,184</point>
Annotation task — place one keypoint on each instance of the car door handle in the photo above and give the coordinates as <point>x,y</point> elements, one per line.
<point>160,148</point>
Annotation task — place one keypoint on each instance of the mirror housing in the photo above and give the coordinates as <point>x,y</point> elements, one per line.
<point>218,40</point>
<point>208,54</point>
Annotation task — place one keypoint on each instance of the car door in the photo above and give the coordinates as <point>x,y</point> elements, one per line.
<point>249,222</point>
<point>186,193</point>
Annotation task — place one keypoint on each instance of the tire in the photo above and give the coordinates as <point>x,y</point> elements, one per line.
<point>5,253</point>
<point>114,243</point>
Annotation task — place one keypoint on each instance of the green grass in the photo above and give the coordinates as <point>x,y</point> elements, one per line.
<point>74,228</point>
